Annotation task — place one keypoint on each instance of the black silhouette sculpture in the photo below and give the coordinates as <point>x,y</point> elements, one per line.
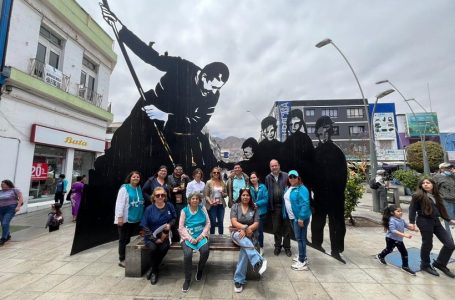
<point>330,177</point>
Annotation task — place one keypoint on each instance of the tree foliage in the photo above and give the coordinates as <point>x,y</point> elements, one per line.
<point>407,178</point>
<point>353,192</point>
<point>435,155</point>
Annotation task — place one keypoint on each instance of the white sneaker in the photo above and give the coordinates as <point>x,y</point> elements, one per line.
<point>263,267</point>
<point>299,266</point>
<point>296,259</point>
<point>238,287</point>
<point>261,251</point>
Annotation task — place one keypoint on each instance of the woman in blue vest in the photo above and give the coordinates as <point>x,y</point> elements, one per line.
<point>194,226</point>
<point>297,209</point>
<point>260,197</point>
<point>129,208</point>
<point>156,222</point>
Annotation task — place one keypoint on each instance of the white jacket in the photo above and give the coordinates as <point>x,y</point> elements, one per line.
<point>122,205</point>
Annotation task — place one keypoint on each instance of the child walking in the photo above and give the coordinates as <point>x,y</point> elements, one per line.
<point>54,218</point>
<point>394,225</point>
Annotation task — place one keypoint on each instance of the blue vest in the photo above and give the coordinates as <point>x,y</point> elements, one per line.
<point>135,203</point>
<point>195,224</point>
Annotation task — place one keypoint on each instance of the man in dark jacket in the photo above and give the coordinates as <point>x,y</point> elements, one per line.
<point>276,183</point>
<point>446,186</point>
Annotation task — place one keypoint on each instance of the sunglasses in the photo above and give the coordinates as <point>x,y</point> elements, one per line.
<point>216,172</point>
<point>292,177</point>
<point>160,195</point>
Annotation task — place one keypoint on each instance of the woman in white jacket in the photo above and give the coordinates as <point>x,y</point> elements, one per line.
<point>129,208</point>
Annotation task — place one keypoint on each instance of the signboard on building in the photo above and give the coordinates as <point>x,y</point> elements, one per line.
<point>384,126</point>
<point>54,137</point>
<point>53,76</point>
<point>391,155</point>
<point>39,171</point>
<point>284,108</point>
<point>422,124</point>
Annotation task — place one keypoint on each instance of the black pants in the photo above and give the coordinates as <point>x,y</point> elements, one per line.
<point>281,229</point>
<point>125,232</point>
<point>390,245</point>
<point>337,228</point>
<point>59,197</point>
<point>188,258</point>
<point>157,253</point>
<point>428,227</point>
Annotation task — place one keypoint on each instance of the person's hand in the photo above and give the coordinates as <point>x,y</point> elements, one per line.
<point>407,235</point>
<point>413,227</point>
<point>154,113</point>
<point>194,241</point>
<point>167,227</point>
<point>248,232</point>
<point>158,241</point>
<point>120,221</point>
<point>241,233</point>
<point>300,223</point>
<point>18,208</point>
<point>109,16</point>
<point>452,222</point>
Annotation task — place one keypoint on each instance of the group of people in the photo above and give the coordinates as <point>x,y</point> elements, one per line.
<point>433,199</point>
<point>172,208</point>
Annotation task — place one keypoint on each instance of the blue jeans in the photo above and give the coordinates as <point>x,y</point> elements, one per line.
<point>300,236</point>
<point>247,254</point>
<point>6,215</point>
<point>451,211</point>
<point>261,231</point>
<point>216,215</point>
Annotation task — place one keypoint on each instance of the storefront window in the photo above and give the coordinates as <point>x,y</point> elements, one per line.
<point>83,162</point>
<point>48,164</point>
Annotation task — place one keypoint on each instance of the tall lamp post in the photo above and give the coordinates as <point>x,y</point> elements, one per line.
<point>365,104</point>
<point>426,164</point>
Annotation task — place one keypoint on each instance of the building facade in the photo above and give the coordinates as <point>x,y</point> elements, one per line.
<point>54,107</point>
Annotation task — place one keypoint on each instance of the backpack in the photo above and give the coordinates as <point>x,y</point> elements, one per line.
<point>374,185</point>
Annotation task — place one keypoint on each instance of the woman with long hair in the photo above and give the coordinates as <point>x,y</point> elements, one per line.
<point>11,201</point>
<point>260,197</point>
<point>158,218</point>
<point>214,192</point>
<point>245,222</point>
<point>428,205</point>
<point>129,208</point>
<point>159,179</point>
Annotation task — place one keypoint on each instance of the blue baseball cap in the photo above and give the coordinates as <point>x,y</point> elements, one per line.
<point>293,172</point>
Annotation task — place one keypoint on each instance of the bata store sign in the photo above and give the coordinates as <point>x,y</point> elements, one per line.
<point>39,171</point>
<point>54,137</point>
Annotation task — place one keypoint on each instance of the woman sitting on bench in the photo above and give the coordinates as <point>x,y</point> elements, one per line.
<point>194,226</point>
<point>245,222</point>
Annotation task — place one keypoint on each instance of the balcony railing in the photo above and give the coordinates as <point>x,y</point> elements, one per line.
<point>56,78</point>
<point>49,74</point>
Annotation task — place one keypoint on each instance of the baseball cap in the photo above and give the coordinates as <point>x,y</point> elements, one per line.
<point>445,165</point>
<point>293,172</point>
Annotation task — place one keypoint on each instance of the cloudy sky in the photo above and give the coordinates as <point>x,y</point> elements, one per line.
<point>269,49</point>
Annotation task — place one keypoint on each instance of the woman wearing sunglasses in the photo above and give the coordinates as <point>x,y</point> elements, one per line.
<point>129,207</point>
<point>214,192</point>
<point>156,222</point>
<point>245,222</point>
<point>297,203</point>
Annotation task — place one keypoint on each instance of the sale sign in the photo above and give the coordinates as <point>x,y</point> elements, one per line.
<point>39,171</point>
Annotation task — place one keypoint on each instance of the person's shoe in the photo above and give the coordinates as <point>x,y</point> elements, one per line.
<point>288,252</point>
<point>299,266</point>
<point>295,258</point>
<point>277,251</point>
<point>430,270</point>
<point>198,274</point>
<point>443,269</point>
<point>186,286</point>
<point>154,278</point>
<point>260,267</point>
<point>9,237</point>
<point>318,247</point>
<point>238,287</point>
<point>338,256</point>
<point>409,271</point>
<point>121,263</point>
<point>261,251</point>
<point>381,259</point>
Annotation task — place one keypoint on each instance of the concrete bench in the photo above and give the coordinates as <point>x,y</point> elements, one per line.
<point>138,261</point>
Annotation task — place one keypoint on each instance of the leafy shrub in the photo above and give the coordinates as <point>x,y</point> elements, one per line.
<point>408,178</point>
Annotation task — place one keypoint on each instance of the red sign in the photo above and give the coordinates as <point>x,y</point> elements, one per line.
<point>39,171</point>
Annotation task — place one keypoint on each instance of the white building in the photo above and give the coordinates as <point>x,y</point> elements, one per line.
<point>53,111</point>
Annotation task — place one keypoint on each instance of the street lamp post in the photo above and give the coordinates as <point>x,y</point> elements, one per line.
<point>426,165</point>
<point>365,104</point>
<point>374,167</point>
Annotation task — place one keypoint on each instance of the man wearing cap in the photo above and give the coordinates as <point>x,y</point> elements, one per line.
<point>446,186</point>
<point>382,189</point>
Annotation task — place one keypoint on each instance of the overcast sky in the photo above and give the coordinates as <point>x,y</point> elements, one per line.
<point>269,49</point>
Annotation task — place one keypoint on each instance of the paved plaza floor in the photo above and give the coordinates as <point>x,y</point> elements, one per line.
<point>36,264</point>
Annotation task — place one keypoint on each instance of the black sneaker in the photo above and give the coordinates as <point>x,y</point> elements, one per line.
<point>444,269</point>
<point>238,287</point>
<point>288,252</point>
<point>198,274</point>
<point>9,237</point>
<point>277,251</point>
<point>381,259</point>
<point>186,286</point>
<point>409,271</point>
<point>2,241</point>
<point>430,270</point>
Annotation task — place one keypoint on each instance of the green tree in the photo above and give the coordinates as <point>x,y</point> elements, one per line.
<point>435,155</point>
<point>408,178</point>
<point>353,192</point>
